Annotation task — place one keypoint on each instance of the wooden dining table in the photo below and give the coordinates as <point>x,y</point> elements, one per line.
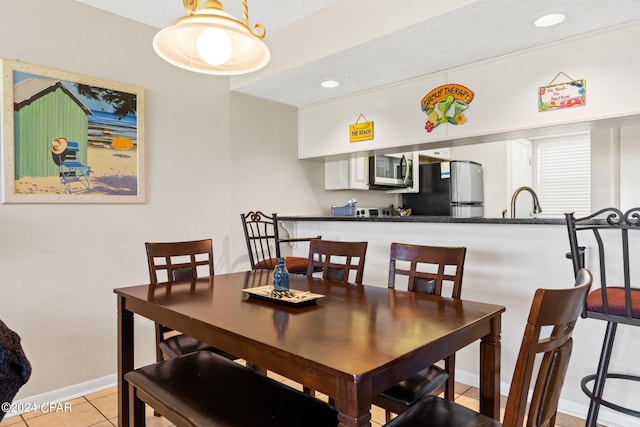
<point>350,344</point>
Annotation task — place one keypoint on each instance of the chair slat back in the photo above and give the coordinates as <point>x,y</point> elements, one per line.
<point>558,310</point>
<point>261,235</point>
<point>429,267</point>
<point>337,259</point>
<point>611,250</point>
<point>179,260</point>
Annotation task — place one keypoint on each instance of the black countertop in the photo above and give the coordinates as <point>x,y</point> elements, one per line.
<point>427,219</point>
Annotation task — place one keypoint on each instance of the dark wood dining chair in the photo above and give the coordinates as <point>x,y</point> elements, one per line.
<point>171,262</point>
<point>337,260</point>
<point>263,239</point>
<point>548,331</point>
<point>604,237</point>
<point>428,269</point>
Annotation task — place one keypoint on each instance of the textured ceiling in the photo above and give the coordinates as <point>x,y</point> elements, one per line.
<point>274,14</point>
<point>375,51</point>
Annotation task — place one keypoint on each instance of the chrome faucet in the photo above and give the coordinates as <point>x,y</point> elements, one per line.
<point>536,203</point>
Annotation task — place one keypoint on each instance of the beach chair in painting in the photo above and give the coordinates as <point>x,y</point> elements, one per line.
<point>71,169</point>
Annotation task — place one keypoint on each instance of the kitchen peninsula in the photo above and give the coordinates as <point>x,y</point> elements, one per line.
<point>542,219</point>
<point>507,259</point>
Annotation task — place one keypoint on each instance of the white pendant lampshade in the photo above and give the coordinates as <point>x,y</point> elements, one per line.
<point>211,41</point>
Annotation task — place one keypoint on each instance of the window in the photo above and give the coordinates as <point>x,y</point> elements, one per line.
<point>563,174</point>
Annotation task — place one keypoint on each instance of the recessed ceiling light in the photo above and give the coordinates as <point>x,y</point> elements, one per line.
<point>549,20</point>
<point>330,83</point>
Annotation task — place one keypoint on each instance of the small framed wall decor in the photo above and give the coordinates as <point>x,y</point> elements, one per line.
<point>361,131</point>
<point>554,96</point>
<point>69,138</point>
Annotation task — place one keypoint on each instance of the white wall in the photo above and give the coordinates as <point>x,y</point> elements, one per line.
<point>267,175</point>
<point>60,263</point>
<point>629,171</point>
<point>505,104</point>
<point>614,167</point>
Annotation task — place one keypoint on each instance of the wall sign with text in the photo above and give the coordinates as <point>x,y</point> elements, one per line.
<point>362,131</point>
<point>562,95</point>
<point>445,104</point>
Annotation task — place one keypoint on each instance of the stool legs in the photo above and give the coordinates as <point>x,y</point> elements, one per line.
<point>601,375</point>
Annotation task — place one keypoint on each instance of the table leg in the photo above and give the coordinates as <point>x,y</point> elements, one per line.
<point>490,349</point>
<point>351,406</point>
<point>125,360</point>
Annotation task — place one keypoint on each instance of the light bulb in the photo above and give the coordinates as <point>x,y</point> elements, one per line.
<point>214,46</point>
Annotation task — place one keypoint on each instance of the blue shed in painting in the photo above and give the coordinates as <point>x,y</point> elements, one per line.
<point>44,110</point>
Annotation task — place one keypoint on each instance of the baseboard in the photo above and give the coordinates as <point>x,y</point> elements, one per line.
<point>61,395</point>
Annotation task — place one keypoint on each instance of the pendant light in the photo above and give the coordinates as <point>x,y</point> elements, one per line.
<point>211,41</point>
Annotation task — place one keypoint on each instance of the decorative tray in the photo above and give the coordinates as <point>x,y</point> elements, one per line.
<point>292,297</point>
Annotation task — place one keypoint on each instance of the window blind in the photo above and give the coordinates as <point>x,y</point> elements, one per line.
<point>564,174</point>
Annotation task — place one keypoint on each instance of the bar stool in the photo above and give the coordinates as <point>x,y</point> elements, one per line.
<point>617,304</point>
<point>263,239</point>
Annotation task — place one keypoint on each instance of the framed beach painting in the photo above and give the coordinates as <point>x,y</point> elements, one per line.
<point>69,138</point>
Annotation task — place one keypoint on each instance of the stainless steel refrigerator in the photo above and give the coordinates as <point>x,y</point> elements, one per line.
<point>452,188</point>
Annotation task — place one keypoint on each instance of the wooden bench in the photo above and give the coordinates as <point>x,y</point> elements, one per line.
<point>206,389</point>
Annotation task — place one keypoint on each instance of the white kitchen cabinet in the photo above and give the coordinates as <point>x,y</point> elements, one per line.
<point>336,175</point>
<point>435,154</point>
<point>352,174</point>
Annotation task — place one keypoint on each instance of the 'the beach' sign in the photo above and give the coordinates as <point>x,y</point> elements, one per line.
<point>361,131</point>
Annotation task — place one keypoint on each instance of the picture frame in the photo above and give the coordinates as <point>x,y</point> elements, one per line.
<point>70,138</point>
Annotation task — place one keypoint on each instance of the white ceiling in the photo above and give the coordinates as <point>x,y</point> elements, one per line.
<point>364,44</point>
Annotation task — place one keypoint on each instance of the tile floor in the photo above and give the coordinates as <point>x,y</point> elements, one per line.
<point>101,410</point>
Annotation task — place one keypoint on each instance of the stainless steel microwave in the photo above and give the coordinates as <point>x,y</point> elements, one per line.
<point>390,171</point>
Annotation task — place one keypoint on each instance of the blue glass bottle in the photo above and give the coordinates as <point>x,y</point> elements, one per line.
<point>280,277</point>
